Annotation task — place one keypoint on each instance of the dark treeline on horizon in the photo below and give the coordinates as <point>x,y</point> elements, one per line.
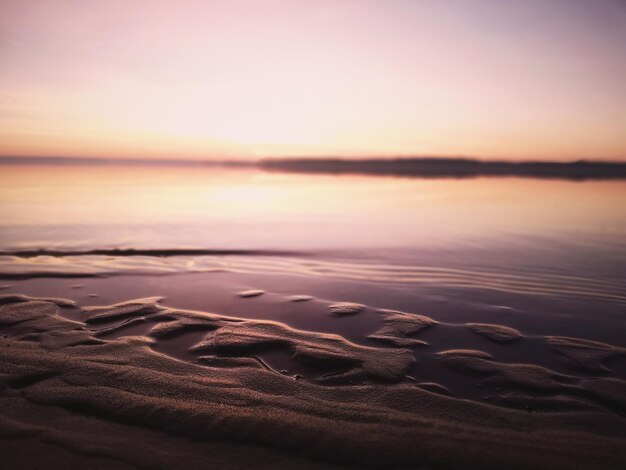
<point>452,167</point>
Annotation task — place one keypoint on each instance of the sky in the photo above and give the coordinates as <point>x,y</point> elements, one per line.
<point>352,78</point>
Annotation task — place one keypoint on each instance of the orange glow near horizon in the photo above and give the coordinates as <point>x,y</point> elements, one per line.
<point>244,79</point>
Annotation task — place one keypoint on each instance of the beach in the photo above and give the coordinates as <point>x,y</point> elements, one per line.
<point>312,234</point>
<point>87,388</point>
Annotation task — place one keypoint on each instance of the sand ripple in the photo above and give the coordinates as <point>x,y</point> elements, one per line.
<point>531,283</point>
<point>62,388</point>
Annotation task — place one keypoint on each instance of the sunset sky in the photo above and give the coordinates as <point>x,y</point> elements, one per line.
<point>248,79</point>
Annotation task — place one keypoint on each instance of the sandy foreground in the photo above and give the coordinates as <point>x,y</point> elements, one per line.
<point>99,394</point>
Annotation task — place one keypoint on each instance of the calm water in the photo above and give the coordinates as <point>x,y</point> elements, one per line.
<point>551,248</point>
<point>125,206</point>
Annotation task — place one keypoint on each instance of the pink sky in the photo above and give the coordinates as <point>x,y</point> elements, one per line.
<point>248,79</point>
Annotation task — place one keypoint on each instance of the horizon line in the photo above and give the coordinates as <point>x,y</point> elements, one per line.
<point>55,159</point>
<point>416,167</point>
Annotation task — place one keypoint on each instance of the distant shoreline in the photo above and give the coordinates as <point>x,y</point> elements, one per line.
<point>403,167</point>
<point>98,161</point>
<point>452,167</point>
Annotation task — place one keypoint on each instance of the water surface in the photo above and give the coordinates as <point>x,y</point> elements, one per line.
<point>453,248</point>
<point>546,257</point>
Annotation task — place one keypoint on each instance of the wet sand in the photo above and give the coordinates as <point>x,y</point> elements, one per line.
<point>191,388</point>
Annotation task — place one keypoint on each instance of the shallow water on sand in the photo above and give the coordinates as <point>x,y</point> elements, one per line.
<point>545,257</point>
